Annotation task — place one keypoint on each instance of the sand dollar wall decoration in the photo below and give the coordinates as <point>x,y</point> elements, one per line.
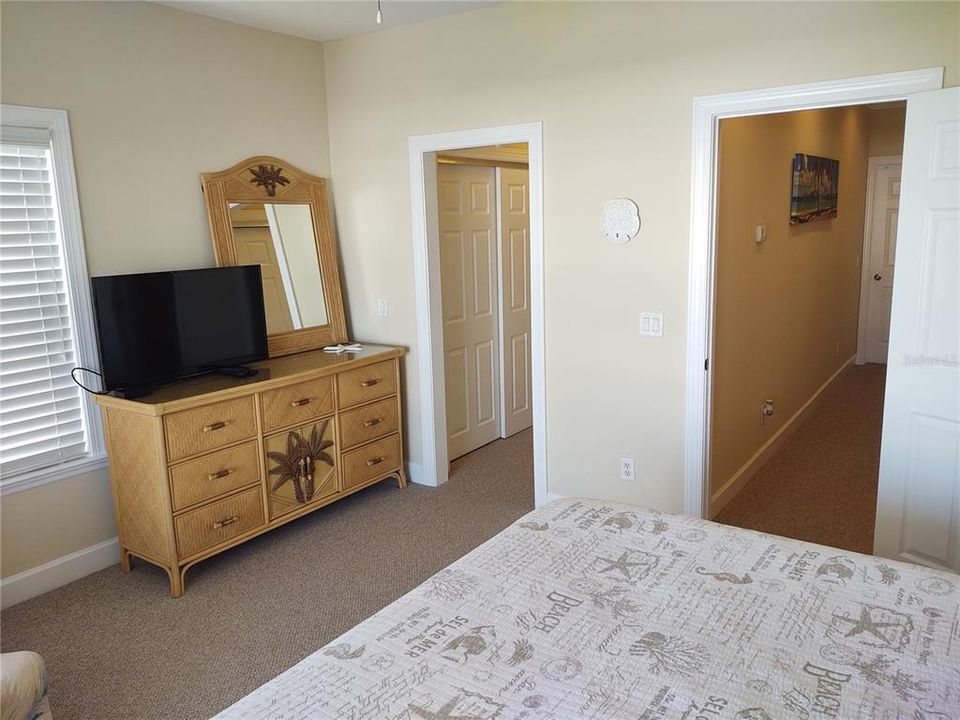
<point>620,220</point>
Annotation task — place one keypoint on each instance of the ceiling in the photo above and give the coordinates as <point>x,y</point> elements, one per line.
<point>318,20</point>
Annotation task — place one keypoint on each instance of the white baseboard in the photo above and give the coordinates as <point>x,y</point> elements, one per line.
<point>57,573</point>
<point>739,479</point>
<point>551,496</point>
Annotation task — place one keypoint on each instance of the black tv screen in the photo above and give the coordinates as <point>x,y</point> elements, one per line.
<point>156,327</point>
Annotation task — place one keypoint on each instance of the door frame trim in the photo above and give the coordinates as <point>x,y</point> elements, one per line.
<point>426,249</point>
<point>707,112</point>
<point>873,166</point>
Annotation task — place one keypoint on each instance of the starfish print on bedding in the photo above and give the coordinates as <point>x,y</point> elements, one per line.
<point>632,565</point>
<point>866,624</point>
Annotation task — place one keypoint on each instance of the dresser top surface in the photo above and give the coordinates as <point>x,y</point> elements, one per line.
<point>271,373</point>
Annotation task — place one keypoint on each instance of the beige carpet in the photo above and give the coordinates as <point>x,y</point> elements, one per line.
<point>821,485</point>
<point>117,646</point>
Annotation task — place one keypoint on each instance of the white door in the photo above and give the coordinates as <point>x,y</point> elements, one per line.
<point>885,206</point>
<point>515,299</point>
<point>466,211</point>
<point>918,505</point>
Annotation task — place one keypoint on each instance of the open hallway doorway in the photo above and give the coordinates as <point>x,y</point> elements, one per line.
<point>806,233</point>
<point>916,519</point>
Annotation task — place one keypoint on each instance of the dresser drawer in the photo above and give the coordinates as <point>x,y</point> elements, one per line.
<point>210,475</point>
<point>369,422</point>
<point>370,461</point>
<point>217,522</point>
<point>367,383</point>
<point>296,404</point>
<point>190,432</point>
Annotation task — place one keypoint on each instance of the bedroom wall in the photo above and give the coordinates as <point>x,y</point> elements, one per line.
<point>155,97</point>
<point>786,309</point>
<point>613,85</point>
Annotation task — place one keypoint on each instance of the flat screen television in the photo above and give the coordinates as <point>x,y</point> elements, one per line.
<point>159,327</point>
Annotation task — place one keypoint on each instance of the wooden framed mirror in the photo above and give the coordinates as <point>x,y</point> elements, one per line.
<point>264,211</point>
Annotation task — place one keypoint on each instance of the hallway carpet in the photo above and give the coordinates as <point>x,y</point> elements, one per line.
<point>821,485</point>
<point>118,646</point>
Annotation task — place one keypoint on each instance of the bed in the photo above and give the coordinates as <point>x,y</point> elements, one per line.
<point>590,609</point>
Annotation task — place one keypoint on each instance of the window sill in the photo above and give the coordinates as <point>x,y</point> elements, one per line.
<point>43,476</point>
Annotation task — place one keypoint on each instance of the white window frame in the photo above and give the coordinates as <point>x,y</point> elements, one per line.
<point>29,120</point>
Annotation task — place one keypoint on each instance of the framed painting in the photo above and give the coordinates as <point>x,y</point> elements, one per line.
<point>816,182</point>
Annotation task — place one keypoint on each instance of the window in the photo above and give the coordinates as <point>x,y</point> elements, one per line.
<point>49,428</point>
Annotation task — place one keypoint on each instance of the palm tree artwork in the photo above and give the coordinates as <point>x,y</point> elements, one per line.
<point>298,465</point>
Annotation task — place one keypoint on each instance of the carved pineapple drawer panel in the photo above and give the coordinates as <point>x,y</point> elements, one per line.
<point>208,463</point>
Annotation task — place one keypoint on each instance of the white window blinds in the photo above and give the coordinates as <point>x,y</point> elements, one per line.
<point>41,409</point>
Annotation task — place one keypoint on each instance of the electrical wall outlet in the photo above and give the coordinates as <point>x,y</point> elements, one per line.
<point>627,471</point>
<point>766,410</point>
<point>382,309</point>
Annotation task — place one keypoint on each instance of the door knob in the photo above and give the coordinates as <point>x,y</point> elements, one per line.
<point>878,276</point>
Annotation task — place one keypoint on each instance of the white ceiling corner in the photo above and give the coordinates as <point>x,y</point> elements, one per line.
<point>325,20</point>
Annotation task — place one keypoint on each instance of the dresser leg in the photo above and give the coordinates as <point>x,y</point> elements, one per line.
<point>401,479</point>
<point>125,563</point>
<point>176,582</point>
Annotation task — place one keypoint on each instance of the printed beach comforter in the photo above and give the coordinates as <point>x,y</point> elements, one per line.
<point>590,609</point>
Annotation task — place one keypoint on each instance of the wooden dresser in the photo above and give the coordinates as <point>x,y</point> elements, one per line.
<point>208,463</point>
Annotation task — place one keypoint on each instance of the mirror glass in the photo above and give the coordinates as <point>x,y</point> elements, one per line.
<point>279,238</point>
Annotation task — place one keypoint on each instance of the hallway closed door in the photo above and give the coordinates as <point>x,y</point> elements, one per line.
<point>884,210</point>
<point>466,204</point>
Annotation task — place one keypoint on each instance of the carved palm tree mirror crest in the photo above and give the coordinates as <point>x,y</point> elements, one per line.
<point>264,211</point>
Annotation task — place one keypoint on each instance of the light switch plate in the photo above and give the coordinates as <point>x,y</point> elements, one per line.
<point>651,324</point>
<point>382,310</point>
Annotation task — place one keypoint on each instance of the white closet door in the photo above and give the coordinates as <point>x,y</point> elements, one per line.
<point>466,201</point>
<point>918,504</point>
<point>883,246</point>
<point>515,299</point>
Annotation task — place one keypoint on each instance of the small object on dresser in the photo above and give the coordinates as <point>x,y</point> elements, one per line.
<point>341,348</point>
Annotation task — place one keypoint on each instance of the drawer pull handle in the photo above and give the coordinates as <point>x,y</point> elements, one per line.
<point>300,403</point>
<point>219,425</point>
<point>371,423</point>
<point>375,461</point>
<point>226,521</point>
<point>369,383</point>
<point>219,474</point>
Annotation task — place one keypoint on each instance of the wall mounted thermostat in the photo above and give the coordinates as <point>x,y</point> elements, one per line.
<point>620,220</point>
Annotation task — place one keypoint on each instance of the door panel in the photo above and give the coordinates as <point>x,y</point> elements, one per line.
<point>254,246</point>
<point>468,279</point>
<point>918,504</point>
<point>515,299</point>
<point>883,247</point>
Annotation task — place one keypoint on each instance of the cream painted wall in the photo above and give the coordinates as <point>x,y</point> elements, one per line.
<point>155,97</point>
<point>613,85</point>
<point>786,309</point>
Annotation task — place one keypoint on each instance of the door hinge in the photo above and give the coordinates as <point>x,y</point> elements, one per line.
<point>706,365</point>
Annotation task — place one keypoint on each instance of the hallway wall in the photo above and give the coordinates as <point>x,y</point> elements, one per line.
<point>786,309</point>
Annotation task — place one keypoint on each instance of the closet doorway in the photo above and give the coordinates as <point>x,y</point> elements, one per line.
<point>434,467</point>
<point>483,201</point>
